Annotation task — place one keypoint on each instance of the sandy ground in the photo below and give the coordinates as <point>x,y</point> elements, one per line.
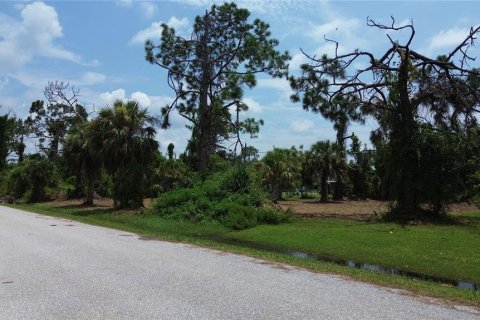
<point>359,209</point>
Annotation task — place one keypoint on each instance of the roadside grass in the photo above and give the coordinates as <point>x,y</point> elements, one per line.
<point>450,251</point>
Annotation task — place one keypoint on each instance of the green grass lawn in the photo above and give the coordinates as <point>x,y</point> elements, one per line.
<point>450,251</point>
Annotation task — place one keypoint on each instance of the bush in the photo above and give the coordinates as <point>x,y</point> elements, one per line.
<point>232,198</point>
<point>239,217</point>
<point>128,187</point>
<point>16,182</point>
<point>69,188</point>
<point>30,178</point>
<point>104,184</point>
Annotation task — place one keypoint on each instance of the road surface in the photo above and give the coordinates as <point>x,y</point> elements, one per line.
<point>54,268</point>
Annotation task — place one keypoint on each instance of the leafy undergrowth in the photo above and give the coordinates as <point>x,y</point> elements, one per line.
<point>234,199</point>
<point>450,251</point>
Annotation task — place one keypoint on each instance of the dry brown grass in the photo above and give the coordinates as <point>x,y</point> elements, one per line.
<point>358,209</point>
<point>351,209</point>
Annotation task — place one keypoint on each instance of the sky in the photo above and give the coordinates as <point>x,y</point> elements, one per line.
<point>97,46</point>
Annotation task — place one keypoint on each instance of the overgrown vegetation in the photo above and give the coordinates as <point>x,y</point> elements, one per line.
<point>234,199</point>
<point>423,156</point>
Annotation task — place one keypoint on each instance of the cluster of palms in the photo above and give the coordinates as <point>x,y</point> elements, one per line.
<point>283,168</point>
<point>121,140</point>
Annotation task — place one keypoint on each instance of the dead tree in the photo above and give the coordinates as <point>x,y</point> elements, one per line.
<point>52,121</point>
<point>401,89</point>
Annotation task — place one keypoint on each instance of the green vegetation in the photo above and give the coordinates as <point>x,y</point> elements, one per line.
<point>209,70</point>
<point>451,251</point>
<point>412,97</point>
<point>218,192</point>
<point>280,170</point>
<point>234,199</point>
<point>124,137</point>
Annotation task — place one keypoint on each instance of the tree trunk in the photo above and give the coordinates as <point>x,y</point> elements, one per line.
<point>406,160</point>
<point>205,114</point>
<point>21,149</point>
<point>324,186</point>
<point>90,190</point>
<point>276,191</point>
<point>53,152</point>
<point>339,185</point>
<point>203,141</point>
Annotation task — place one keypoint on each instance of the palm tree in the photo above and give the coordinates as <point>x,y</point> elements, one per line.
<point>326,160</point>
<point>81,157</point>
<point>124,134</point>
<point>281,170</point>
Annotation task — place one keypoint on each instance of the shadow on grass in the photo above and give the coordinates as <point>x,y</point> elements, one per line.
<point>427,218</point>
<point>83,206</point>
<point>85,211</point>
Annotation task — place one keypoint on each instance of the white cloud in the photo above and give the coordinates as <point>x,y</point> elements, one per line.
<point>148,8</point>
<point>142,99</point>
<point>281,85</point>
<point>301,125</point>
<point>346,31</point>
<point>297,60</point>
<point>178,24</point>
<point>273,83</point>
<point>155,30</point>
<point>109,97</point>
<point>253,105</point>
<point>447,39</point>
<point>34,35</point>
<point>160,101</point>
<point>89,78</point>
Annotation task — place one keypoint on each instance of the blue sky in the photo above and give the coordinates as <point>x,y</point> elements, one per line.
<point>98,47</point>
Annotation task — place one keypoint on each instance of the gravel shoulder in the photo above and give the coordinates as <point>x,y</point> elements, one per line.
<point>53,268</point>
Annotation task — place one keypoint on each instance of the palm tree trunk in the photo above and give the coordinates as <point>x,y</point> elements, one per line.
<point>90,190</point>
<point>276,192</point>
<point>324,191</point>
<point>339,185</point>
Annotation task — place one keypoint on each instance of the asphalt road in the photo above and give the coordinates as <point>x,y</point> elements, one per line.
<point>59,269</point>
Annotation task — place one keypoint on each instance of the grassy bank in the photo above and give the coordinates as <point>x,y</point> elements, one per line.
<point>450,251</point>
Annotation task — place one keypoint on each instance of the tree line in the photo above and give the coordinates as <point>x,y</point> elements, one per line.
<point>423,155</point>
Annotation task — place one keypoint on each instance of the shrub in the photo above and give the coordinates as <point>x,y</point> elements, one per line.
<point>30,178</point>
<point>128,187</point>
<point>239,217</point>
<point>232,198</point>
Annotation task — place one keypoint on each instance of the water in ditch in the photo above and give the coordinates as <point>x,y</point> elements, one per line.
<point>463,284</point>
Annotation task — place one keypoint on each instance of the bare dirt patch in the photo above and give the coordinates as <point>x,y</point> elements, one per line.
<point>351,209</point>
<point>361,209</point>
<point>358,209</point>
